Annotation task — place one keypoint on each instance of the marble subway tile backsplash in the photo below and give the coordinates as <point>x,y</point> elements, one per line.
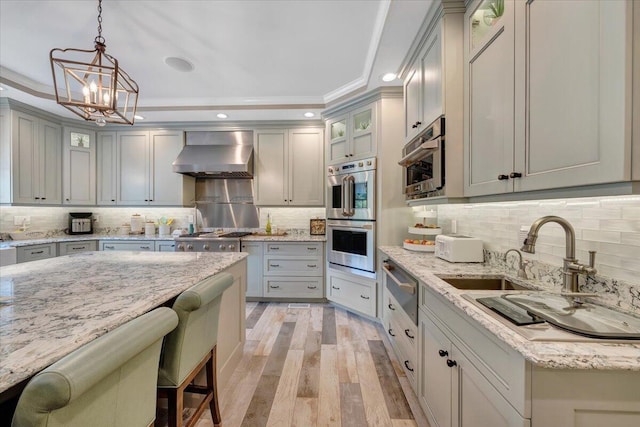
<point>55,219</point>
<point>608,225</point>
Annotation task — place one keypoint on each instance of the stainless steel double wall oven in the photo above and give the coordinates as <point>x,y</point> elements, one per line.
<point>351,221</point>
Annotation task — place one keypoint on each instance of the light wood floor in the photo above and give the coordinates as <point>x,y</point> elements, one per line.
<point>316,366</point>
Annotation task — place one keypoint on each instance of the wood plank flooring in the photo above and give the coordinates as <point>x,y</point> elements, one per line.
<point>315,366</point>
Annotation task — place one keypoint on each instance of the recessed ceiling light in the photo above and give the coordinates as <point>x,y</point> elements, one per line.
<point>389,77</point>
<point>221,116</point>
<point>179,64</point>
<point>309,114</point>
<point>137,117</point>
<point>1,88</point>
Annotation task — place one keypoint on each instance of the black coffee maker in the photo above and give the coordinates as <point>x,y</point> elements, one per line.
<point>80,223</point>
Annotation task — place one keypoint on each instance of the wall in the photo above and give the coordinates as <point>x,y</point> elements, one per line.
<point>55,219</point>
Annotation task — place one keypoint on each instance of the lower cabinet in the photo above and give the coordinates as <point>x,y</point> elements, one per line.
<point>402,333</point>
<point>35,252</point>
<point>293,270</point>
<point>354,292</point>
<point>254,268</point>
<point>67,248</point>
<point>165,245</point>
<point>119,245</point>
<point>467,377</point>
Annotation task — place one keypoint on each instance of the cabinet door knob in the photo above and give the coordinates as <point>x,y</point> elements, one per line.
<point>443,353</point>
<point>67,200</point>
<point>391,332</point>
<point>414,126</point>
<point>502,177</point>
<point>406,332</point>
<point>391,307</point>
<point>37,198</point>
<point>515,175</point>
<point>44,198</point>
<point>113,200</point>
<point>406,365</point>
<point>451,363</point>
<point>151,200</point>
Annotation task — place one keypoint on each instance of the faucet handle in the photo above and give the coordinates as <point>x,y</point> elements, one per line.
<point>592,259</point>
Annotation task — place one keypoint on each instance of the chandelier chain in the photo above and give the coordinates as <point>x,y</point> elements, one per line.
<point>99,39</point>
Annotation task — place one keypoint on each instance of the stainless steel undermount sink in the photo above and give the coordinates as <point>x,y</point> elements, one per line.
<point>563,322</point>
<point>485,284</point>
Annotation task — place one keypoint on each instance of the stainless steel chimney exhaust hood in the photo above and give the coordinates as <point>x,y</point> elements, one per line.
<point>216,154</point>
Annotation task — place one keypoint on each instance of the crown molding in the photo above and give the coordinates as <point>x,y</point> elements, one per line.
<point>382,92</point>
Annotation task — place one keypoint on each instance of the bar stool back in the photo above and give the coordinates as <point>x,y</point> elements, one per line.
<point>109,382</point>
<point>192,347</point>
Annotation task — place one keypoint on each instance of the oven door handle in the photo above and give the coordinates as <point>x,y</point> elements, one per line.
<point>345,197</point>
<point>351,184</point>
<point>406,287</point>
<point>423,150</point>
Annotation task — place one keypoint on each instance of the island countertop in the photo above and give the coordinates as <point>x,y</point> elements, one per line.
<point>52,307</point>
<point>557,355</point>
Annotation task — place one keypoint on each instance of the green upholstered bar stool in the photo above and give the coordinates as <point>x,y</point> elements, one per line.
<point>109,382</point>
<point>191,347</point>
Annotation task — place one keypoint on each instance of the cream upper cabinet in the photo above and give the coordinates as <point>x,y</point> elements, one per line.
<point>352,136</point>
<point>106,179</point>
<point>36,160</point>
<point>423,86</point>
<point>135,169</point>
<point>289,167</point>
<point>546,99</point>
<point>132,168</point>
<point>78,166</point>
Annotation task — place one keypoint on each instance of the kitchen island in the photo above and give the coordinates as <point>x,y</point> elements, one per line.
<point>51,307</point>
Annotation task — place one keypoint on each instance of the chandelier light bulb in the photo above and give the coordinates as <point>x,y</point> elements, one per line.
<point>106,98</point>
<point>100,121</point>
<point>93,87</point>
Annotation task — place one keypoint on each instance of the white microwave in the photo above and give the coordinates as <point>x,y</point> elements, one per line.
<point>458,248</point>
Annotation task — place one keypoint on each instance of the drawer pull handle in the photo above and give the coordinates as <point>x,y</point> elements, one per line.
<point>406,365</point>
<point>37,252</point>
<point>364,297</point>
<point>515,175</point>
<point>312,249</point>
<point>274,287</point>
<point>78,248</point>
<point>275,248</point>
<point>109,247</point>
<point>311,287</point>
<point>391,307</point>
<point>443,353</point>
<point>391,332</point>
<point>334,287</point>
<point>406,332</point>
<point>145,247</point>
<point>274,265</point>
<point>502,177</point>
<point>451,363</point>
<point>311,265</point>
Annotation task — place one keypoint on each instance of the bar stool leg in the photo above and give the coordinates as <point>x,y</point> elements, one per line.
<point>212,385</point>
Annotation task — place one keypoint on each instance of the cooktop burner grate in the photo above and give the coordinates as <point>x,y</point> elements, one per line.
<point>236,234</point>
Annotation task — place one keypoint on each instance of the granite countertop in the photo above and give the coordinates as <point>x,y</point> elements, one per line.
<point>547,354</point>
<point>297,237</point>
<point>56,305</point>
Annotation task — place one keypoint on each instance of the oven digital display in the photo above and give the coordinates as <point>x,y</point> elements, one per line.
<point>351,166</point>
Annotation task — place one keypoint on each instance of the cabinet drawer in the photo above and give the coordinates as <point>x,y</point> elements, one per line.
<point>289,248</point>
<point>290,287</point>
<point>292,266</point>
<point>165,246</point>
<point>66,248</point>
<point>358,296</point>
<point>127,246</point>
<point>35,252</point>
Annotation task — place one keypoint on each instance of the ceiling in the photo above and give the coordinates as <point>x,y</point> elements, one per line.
<point>252,59</point>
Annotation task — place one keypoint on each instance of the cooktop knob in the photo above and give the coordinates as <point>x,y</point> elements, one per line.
<point>223,247</point>
<point>205,247</point>
<point>232,247</point>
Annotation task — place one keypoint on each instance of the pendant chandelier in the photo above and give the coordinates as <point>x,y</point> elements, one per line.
<point>91,84</point>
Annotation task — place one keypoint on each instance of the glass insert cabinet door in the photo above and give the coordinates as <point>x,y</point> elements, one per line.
<point>339,129</point>
<point>485,18</point>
